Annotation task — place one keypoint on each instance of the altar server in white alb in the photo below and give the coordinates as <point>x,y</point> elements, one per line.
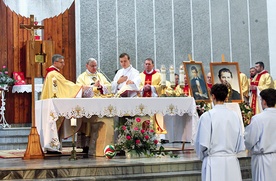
<point>219,138</point>
<point>260,136</point>
<point>127,80</point>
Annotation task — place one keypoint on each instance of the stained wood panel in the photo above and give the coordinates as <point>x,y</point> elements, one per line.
<point>60,29</point>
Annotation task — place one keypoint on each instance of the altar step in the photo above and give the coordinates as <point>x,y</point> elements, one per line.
<point>186,167</point>
<point>16,138</point>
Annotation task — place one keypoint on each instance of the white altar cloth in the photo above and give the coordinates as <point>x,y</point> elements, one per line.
<point>26,88</point>
<point>48,111</point>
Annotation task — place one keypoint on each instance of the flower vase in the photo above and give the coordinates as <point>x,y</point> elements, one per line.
<point>131,154</point>
<point>4,86</point>
<point>134,154</point>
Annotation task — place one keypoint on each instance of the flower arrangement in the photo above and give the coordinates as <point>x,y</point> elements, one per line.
<point>4,77</point>
<point>246,112</point>
<point>136,135</point>
<point>202,107</point>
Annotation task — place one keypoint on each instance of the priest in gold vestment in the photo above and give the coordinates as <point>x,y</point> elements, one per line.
<point>150,85</point>
<point>261,81</point>
<point>91,77</point>
<point>88,131</point>
<point>57,86</point>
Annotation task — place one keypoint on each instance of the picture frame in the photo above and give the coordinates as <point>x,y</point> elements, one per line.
<point>228,71</point>
<point>197,81</point>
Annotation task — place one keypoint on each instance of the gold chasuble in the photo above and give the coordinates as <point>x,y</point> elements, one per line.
<point>56,86</point>
<point>244,86</point>
<point>153,79</point>
<point>264,81</point>
<point>186,90</point>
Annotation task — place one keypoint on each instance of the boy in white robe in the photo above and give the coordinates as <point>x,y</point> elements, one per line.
<point>260,136</point>
<point>219,138</point>
<point>127,79</point>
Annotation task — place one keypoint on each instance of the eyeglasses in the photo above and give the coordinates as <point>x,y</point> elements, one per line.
<point>62,62</point>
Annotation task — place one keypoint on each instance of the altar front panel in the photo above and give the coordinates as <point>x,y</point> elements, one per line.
<point>48,111</point>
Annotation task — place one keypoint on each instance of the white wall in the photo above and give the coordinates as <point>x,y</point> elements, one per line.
<point>271,15</point>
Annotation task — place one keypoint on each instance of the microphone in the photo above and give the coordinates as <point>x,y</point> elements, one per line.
<point>104,75</point>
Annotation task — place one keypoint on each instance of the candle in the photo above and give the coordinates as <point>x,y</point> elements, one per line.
<point>163,75</point>
<point>73,122</point>
<point>172,76</point>
<point>181,75</point>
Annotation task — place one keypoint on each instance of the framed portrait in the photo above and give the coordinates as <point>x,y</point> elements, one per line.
<point>197,82</point>
<point>228,73</point>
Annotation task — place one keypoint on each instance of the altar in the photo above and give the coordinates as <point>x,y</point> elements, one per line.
<point>48,111</point>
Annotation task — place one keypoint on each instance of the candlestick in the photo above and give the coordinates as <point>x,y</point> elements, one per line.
<point>172,76</point>
<point>73,122</point>
<point>163,75</point>
<point>181,76</point>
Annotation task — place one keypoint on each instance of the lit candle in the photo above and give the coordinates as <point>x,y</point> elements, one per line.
<point>73,122</point>
<point>163,75</point>
<point>181,75</point>
<point>172,76</point>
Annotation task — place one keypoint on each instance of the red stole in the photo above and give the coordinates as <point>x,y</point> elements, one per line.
<point>148,80</point>
<point>50,69</point>
<point>186,89</point>
<point>254,92</point>
<point>209,85</point>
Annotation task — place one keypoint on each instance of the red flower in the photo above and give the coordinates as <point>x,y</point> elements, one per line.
<point>137,141</point>
<point>128,137</point>
<point>142,131</point>
<point>147,137</point>
<point>138,120</point>
<point>155,141</point>
<point>152,131</point>
<point>124,128</point>
<point>136,128</point>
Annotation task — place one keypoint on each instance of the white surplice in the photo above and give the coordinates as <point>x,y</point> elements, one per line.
<point>219,138</point>
<point>260,136</point>
<point>132,75</point>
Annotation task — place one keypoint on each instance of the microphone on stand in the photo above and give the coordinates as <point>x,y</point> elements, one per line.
<point>104,75</point>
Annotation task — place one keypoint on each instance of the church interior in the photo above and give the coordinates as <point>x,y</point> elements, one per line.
<point>170,32</point>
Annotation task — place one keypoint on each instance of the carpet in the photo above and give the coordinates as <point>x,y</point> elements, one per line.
<point>20,153</point>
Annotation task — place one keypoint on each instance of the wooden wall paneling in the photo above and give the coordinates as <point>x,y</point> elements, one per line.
<point>3,29</point>
<point>21,44</point>
<point>72,43</point>
<point>49,49</point>
<point>12,114</point>
<point>65,42</point>
<point>10,106</point>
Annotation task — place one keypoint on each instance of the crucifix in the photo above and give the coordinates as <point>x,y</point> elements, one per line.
<point>32,27</point>
<point>34,149</point>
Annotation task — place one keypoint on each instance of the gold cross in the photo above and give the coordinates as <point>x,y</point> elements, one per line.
<point>148,82</point>
<point>32,26</point>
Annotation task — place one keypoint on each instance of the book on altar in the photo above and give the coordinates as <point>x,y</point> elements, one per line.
<point>19,78</point>
<point>129,90</point>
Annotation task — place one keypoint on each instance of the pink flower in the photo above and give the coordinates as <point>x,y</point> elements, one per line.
<point>124,128</point>
<point>4,66</point>
<point>136,128</point>
<point>128,137</point>
<point>155,141</point>
<point>138,120</point>
<point>137,141</point>
<point>142,131</point>
<point>152,131</point>
<point>6,72</point>
<point>147,137</point>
